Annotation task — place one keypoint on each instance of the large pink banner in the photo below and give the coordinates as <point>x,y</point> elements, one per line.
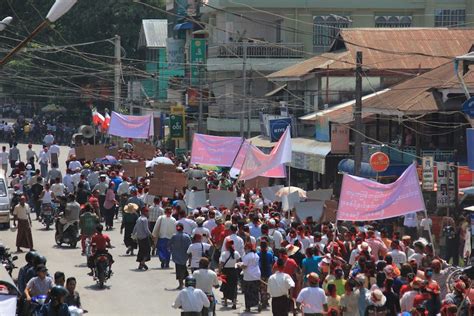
<point>215,150</point>
<point>257,163</point>
<point>131,126</point>
<point>366,200</point>
<point>277,172</point>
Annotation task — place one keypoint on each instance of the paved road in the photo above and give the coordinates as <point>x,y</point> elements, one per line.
<point>128,292</point>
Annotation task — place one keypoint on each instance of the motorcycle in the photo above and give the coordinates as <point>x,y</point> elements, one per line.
<point>102,270</point>
<point>36,303</point>
<point>70,233</point>
<point>7,259</point>
<point>47,214</point>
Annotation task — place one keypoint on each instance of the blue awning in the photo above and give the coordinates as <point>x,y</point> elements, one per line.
<point>366,171</point>
<point>184,26</point>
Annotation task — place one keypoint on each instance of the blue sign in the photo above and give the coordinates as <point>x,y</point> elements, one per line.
<point>470,147</point>
<point>278,127</point>
<point>468,107</point>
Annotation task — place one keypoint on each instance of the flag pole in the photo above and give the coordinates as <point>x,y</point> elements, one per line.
<point>289,191</point>
<point>238,152</point>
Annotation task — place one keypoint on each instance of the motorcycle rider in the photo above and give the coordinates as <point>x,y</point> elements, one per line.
<point>39,285</point>
<point>87,223</point>
<point>100,242</point>
<point>56,306</point>
<point>191,300</point>
<point>29,257</point>
<point>71,213</point>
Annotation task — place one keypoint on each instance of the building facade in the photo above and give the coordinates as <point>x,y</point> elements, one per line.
<point>273,35</point>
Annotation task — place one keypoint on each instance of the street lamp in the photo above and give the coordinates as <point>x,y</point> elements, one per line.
<point>5,22</point>
<point>59,8</point>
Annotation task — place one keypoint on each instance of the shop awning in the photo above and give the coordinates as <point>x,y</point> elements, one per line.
<point>309,154</point>
<point>262,142</point>
<point>275,91</point>
<point>183,26</point>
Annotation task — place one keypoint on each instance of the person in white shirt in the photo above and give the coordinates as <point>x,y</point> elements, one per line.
<point>54,149</point>
<point>190,299</point>
<point>312,299</point>
<point>204,232</point>
<point>398,256</point>
<point>238,242</point>
<point>74,164</point>
<point>43,160</point>
<point>4,155</point>
<point>211,222</point>
<point>48,139</point>
<point>58,188</point>
<point>227,264</point>
<point>251,280</point>
<point>164,229</point>
<point>279,284</point>
<point>275,234</point>
<point>196,251</point>
<point>418,256</point>
<point>188,224</point>
<point>206,279</point>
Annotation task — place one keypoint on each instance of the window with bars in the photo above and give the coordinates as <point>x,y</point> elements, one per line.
<point>450,17</point>
<point>393,21</point>
<point>325,29</point>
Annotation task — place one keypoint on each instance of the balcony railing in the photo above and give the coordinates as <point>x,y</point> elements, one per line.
<point>257,50</point>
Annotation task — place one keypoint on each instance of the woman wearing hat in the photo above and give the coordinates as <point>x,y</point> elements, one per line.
<point>129,219</point>
<point>376,303</point>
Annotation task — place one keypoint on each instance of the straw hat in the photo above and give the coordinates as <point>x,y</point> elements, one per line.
<point>292,249</point>
<point>130,208</point>
<point>364,246</point>
<point>376,297</point>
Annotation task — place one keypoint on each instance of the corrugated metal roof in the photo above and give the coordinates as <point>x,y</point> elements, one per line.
<point>378,45</point>
<point>417,95</point>
<point>153,34</point>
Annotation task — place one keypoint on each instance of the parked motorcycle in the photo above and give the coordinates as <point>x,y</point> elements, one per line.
<point>70,233</point>
<point>7,259</point>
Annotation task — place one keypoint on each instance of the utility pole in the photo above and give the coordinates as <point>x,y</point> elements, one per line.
<point>244,76</point>
<point>358,116</point>
<point>200,99</point>
<point>117,68</point>
<point>249,105</point>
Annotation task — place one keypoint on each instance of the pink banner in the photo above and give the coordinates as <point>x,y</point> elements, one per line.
<point>257,163</point>
<point>366,200</point>
<point>277,172</point>
<point>214,150</point>
<point>130,126</point>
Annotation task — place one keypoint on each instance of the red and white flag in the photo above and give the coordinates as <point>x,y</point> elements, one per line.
<point>97,118</point>
<point>257,163</point>
<point>106,122</point>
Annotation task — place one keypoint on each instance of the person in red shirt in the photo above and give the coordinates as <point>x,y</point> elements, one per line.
<point>94,202</point>
<point>217,238</point>
<point>100,242</point>
<point>292,269</point>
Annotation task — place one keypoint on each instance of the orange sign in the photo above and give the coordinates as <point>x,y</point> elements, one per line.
<point>379,161</point>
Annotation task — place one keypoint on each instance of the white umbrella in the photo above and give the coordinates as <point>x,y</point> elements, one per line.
<point>288,190</point>
<point>159,160</point>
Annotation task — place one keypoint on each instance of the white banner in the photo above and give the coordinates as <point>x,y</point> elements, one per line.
<point>222,197</point>
<point>8,305</point>
<point>269,193</point>
<point>319,195</point>
<point>307,209</point>
<point>195,199</point>
<point>289,201</point>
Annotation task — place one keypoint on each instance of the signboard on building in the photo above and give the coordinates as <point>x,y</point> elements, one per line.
<point>468,107</point>
<point>177,118</point>
<point>175,53</point>
<point>197,58</point>
<point>339,139</point>
<point>428,173</point>
<point>442,197</point>
<point>278,127</point>
<point>379,161</point>
<point>322,129</point>
<point>452,182</point>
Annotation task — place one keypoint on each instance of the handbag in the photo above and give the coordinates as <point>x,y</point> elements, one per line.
<point>204,253</point>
